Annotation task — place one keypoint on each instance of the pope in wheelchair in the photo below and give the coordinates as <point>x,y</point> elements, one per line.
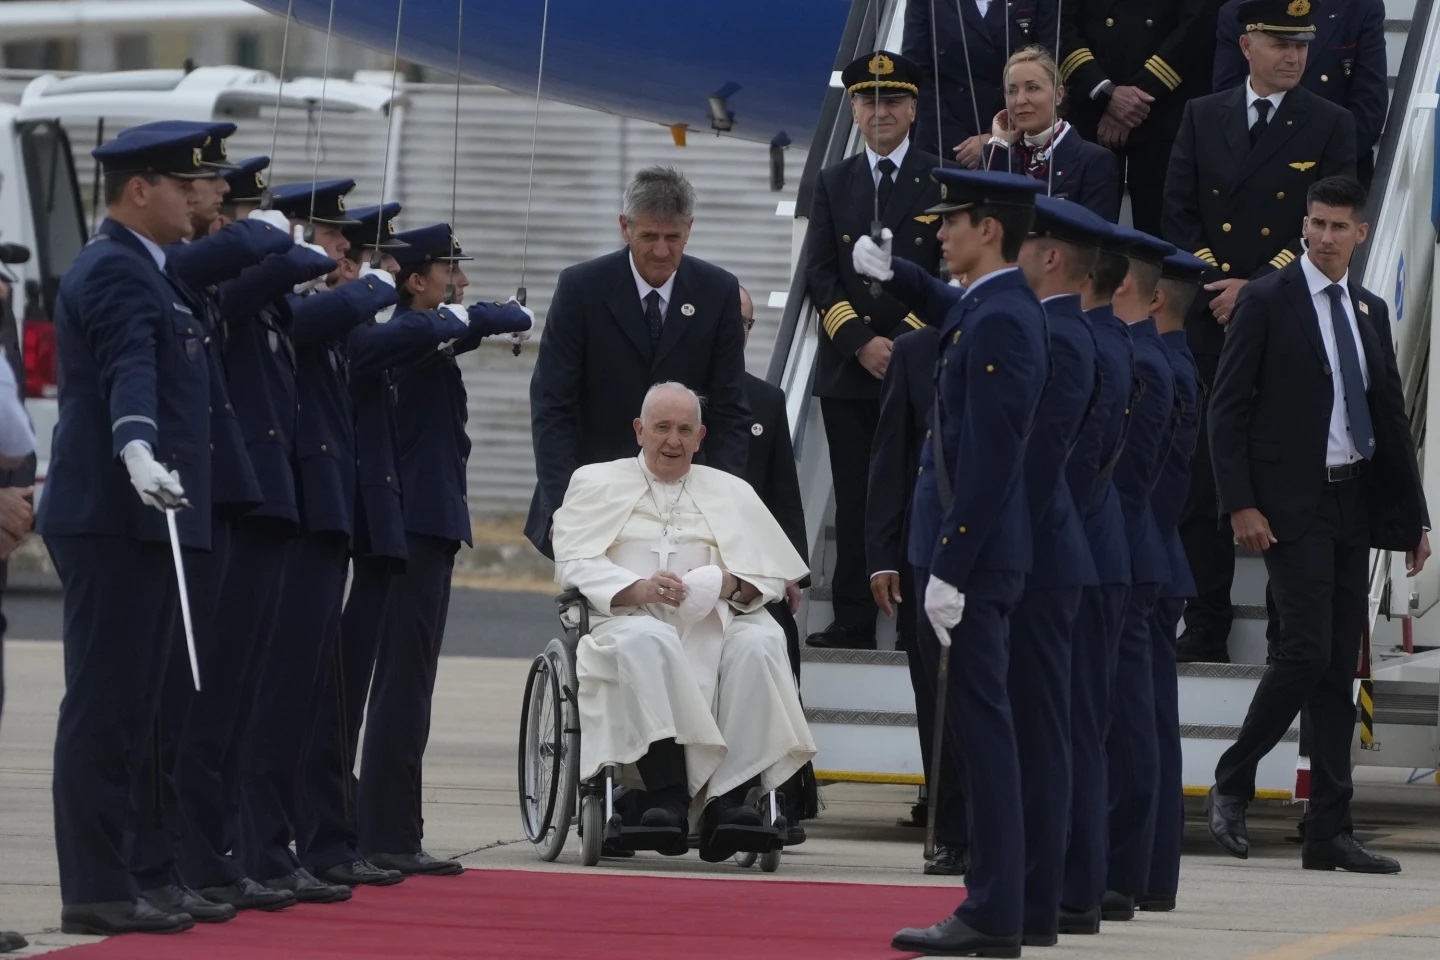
<point>684,687</point>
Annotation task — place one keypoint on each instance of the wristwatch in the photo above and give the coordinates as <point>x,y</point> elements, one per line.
<point>735,594</point>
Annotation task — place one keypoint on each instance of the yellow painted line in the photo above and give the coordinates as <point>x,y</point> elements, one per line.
<point>1259,794</point>
<point>856,776</point>
<point>1327,943</point>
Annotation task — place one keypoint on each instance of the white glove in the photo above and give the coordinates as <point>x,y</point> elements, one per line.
<point>944,606</point>
<point>158,487</point>
<point>308,285</point>
<point>381,276</point>
<point>459,313</point>
<point>871,259</point>
<point>275,218</point>
<point>523,335</point>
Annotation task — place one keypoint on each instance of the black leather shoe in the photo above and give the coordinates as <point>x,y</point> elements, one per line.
<point>1079,921</point>
<point>1039,938</point>
<point>1226,816</point>
<point>949,860</point>
<point>917,818</point>
<point>673,815</point>
<point>246,894</point>
<point>1117,906</point>
<point>10,940</point>
<point>952,938</point>
<point>178,901</point>
<point>1344,852</point>
<point>422,862</point>
<point>307,889</point>
<point>1199,648</point>
<point>794,835</point>
<point>120,916</point>
<point>1154,902</point>
<point>838,637</point>
<point>358,873</point>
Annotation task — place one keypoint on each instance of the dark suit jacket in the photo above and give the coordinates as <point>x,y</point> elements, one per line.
<point>1085,173</point>
<point>1244,217</point>
<point>596,363</point>
<point>771,465</point>
<point>1270,414</point>
<point>849,315</point>
<point>906,396</point>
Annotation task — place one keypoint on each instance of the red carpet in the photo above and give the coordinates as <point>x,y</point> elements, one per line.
<point>523,914</point>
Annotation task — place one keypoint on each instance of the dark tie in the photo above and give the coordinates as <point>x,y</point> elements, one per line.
<point>1262,111</point>
<point>653,319</point>
<point>886,166</point>
<point>1357,408</point>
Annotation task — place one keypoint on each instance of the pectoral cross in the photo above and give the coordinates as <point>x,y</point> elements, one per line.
<point>664,551</point>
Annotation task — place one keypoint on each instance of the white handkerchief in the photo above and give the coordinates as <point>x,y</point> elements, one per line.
<point>702,592</point>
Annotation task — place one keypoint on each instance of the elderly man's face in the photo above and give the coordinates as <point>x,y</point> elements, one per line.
<point>656,245</point>
<point>669,433</point>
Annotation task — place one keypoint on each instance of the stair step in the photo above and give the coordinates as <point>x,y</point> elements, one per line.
<point>877,658</point>
<point>1222,671</point>
<point>1406,703</point>
<point>863,718</point>
<point>1215,731</point>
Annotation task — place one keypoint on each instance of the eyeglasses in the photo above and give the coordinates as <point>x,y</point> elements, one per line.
<point>748,321</point>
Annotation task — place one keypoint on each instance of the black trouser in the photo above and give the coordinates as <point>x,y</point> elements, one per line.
<point>1320,586</point>
<point>1143,167</point>
<point>800,791</point>
<point>1209,543</point>
<point>663,770</point>
<point>849,429</point>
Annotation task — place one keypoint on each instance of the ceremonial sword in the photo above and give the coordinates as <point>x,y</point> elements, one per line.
<point>184,592</point>
<point>937,740</point>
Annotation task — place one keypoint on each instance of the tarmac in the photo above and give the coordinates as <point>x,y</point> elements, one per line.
<point>1265,908</point>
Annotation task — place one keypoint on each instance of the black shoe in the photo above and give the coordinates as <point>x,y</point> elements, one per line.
<point>1079,921</point>
<point>794,835</point>
<point>1194,647</point>
<point>1344,852</point>
<point>1117,906</point>
<point>246,894</point>
<point>1226,816</point>
<point>674,815</point>
<point>422,862</point>
<point>948,860</point>
<point>1154,902</point>
<point>358,873</point>
<point>952,938</point>
<point>838,637</point>
<point>10,940</point>
<point>1039,938</point>
<point>917,817</point>
<point>120,916</point>
<point>307,889</point>
<point>179,901</point>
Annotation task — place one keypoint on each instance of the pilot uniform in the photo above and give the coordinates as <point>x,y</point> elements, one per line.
<point>431,409</point>
<point>132,369</point>
<point>971,529</point>
<point>1244,219</point>
<point>844,206</point>
<point>1159,46</point>
<point>1346,65</point>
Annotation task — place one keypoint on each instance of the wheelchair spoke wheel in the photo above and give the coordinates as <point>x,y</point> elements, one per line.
<point>567,766</point>
<point>545,786</point>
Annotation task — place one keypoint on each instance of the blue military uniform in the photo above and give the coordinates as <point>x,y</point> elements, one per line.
<point>1040,627</point>
<point>1132,752</point>
<point>132,368</point>
<point>1168,502</point>
<point>971,529</point>
<point>431,413</point>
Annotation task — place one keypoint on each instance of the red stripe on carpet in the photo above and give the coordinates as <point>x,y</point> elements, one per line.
<point>518,914</point>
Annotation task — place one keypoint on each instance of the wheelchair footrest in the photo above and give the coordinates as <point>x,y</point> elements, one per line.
<point>730,839</point>
<point>667,840</point>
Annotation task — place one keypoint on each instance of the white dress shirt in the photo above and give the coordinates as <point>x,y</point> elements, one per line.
<point>152,248</point>
<point>898,155</point>
<point>644,288</point>
<point>1340,447</point>
<point>1251,113</point>
<point>984,7</point>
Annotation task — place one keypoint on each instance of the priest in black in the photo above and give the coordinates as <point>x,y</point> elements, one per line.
<point>890,180</point>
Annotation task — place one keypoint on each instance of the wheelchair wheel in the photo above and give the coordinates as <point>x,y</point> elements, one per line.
<point>770,861</point>
<point>549,754</point>
<point>592,829</point>
<point>744,860</point>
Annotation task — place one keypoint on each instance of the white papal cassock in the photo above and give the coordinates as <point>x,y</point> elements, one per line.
<point>722,686</point>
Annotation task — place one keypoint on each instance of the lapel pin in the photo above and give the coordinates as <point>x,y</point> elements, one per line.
<point>756,429</point>
<point>1364,307</point>
<point>688,309</point>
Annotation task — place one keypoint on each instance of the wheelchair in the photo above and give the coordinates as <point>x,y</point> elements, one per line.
<point>552,797</point>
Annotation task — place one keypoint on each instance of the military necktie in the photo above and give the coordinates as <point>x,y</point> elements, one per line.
<point>1357,408</point>
<point>1262,109</point>
<point>653,319</point>
<point>886,166</point>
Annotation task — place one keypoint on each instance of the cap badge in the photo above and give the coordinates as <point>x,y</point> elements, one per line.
<point>196,157</point>
<point>340,202</point>
<point>688,309</point>
<point>259,182</point>
<point>1298,8</point>
<point>944,193</point>
<point>881,65</point>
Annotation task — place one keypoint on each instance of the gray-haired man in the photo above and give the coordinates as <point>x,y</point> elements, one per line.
<point>642,315</point>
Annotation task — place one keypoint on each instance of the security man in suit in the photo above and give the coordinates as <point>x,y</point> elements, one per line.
<point>1241,218</point>
<point>1130,69</point>
<point>1096,638</point>
<point>970,529</point>
<point>307,621</point>
<point>134,393</point>
<point>891,179</point>
<point>1131,749</point>
<point>1180,277</point>
<point>1346,64</point>
<point>1316,466</point>
<point>961,48</point>
<point>1057,257</point>
<point>431,412</point>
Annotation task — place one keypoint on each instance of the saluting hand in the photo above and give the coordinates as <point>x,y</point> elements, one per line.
<point>1415,559</point>
<point>1252,530</point>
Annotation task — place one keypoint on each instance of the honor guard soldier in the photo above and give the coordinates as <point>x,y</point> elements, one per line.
<point>1091,473</point>
<point>857,326</point>
<point>1055,259</point>
<point>308,612</point>
<point>970,529</point>
<point>431,412</point>
<point>1131,747</point>
<point>1234,197</point>
<point>134,391</point>
<point>1130,68</point>
<point>1180,278</point>
<point>1346,64</point>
